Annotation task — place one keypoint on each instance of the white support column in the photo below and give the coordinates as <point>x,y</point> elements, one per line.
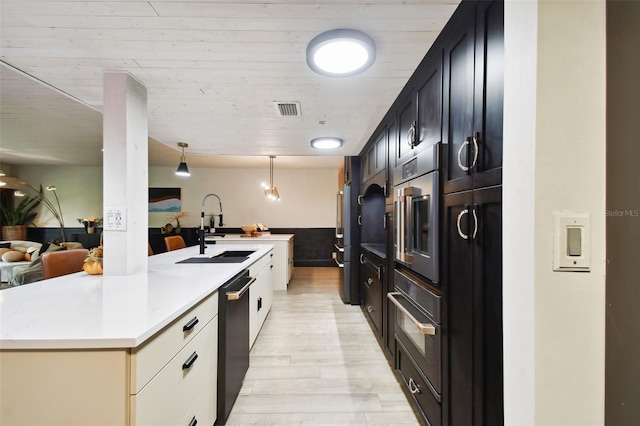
<point>125,173</point>
<point>554,161</point>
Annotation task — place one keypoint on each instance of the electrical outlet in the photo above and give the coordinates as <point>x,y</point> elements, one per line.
<point>115,219</point>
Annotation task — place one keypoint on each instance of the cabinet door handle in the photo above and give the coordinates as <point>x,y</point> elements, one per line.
<point>189,326</point>
<point>460,215</point>
<point>476,149</point>
<point>362,258</point>
<point>359,200</point>
<point>259,303</point>
<point>193,421</point>
<point>359,219</point>
<point>189,362</point>
<point>340,265</point>
<point>413,387</point>
<point>460,165</point>
<point>370,281</point>
<point>411,135</point>
<point>475,223</point>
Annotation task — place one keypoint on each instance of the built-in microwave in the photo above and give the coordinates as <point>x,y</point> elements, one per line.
<point>416,215</point>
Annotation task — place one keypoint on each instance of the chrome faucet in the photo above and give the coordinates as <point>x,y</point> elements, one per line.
<point>202,246</point>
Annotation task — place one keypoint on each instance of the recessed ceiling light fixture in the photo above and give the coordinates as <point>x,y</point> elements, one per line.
<point>326,143</point>
<point>183,170</point>
<point>341,53</point>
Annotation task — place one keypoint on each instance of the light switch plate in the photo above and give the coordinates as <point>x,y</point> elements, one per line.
<point>115,219</point>
<point>571,241</point>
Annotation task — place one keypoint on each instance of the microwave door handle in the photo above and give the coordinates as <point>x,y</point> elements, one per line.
<point>425,328</point>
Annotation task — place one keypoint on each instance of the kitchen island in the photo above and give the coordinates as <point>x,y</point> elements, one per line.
<point>282,252</point>
<point>125,350</point>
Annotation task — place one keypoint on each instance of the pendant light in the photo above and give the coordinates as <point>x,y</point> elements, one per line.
<point>183,170</point>
<point>270,191</point>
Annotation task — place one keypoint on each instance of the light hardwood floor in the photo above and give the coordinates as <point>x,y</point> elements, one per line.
<point>317,362</point>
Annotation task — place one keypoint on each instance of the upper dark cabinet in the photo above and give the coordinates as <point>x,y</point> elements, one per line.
<point>351,169</point>
<point>473,101</point>
<point>419,114</point>
<point>374,159</point>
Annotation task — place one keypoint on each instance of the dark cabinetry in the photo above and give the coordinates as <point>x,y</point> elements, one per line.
<point>374,160</point>
<point>371,289</point>
<point>420,112</point>
<point>473,69</point>
<point>473,276</point>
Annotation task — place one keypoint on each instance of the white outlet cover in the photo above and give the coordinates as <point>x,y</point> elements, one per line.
<point>115,219</point>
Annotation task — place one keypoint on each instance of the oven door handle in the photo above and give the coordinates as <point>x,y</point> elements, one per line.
<point>425,328</point>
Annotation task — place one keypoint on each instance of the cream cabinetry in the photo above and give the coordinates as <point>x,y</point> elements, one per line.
<point>260,295</point>
<point>282,254</point>
<point>187,354</point>
<point>169,378</point>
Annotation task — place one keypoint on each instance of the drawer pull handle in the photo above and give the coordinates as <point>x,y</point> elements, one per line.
<point>413,387</point>
<point>193,421</point>
<point>189,362</point>
<point>189,326</point>
<point>424,328</point>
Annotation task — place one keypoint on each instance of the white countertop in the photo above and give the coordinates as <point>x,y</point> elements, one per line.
<point>262,237</point>
<point>96,311</point>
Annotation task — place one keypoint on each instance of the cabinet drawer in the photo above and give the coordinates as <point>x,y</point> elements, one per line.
<point>204,409</point>
<point>170,394</point>
<point>150,357</point>
<point>420,392</point>
<point>259,265</point>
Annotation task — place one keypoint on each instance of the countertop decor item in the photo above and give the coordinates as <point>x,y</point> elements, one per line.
<point>176,217</point>
<point>250,230</point>
<point>93,262</point>
<point>90,223</point>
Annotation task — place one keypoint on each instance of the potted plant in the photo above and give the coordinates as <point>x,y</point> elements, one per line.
<point>15,219</point>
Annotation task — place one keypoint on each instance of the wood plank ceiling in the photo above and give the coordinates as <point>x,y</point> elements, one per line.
<point>213,70</point>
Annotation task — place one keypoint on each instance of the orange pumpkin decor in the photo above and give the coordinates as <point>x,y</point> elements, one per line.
<point>92,268</point>
<point>93,262</point>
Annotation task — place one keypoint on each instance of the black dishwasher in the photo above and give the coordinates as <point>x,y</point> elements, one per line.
<point>233,341</point>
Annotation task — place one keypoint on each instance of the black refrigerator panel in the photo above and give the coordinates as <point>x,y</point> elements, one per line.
<point>350,237</point>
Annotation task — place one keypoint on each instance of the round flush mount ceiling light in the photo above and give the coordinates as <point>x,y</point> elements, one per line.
<point>326,143</point>
<point>341,53</point>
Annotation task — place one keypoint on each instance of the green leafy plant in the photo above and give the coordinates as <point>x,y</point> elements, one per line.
<point>22,214</point>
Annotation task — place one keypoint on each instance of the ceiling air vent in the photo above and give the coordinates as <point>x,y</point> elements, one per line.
<point>287,109</point>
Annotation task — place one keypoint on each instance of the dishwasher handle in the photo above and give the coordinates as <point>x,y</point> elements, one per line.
<point>235,295</point>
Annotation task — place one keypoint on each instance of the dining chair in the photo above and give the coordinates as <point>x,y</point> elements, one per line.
<point>174,242</point>
<point>63,262</point>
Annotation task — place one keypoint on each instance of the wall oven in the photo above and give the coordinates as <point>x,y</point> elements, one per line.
<point>416,214</point>
<point>418,336</point>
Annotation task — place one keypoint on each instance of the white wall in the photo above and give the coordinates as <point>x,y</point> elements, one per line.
<point>554,159</point>
<point>308,196</point>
